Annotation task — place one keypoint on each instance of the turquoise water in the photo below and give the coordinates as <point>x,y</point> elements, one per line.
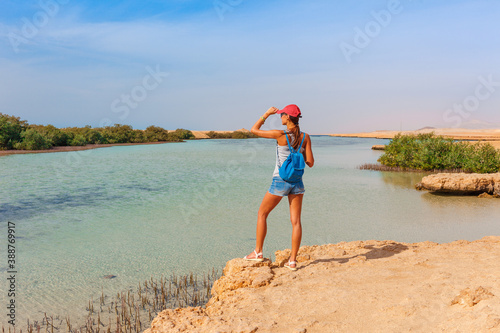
<point>150,210</point>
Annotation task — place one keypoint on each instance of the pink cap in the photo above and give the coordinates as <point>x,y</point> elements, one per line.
<point>291,110</point>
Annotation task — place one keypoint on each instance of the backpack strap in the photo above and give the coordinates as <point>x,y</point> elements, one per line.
<point>287,141</point>
<point>298,149</point>
<point>290,147</point>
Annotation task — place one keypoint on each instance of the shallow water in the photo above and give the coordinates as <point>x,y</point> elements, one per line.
<point>150,210</point>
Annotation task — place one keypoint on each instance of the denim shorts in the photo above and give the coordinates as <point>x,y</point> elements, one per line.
<point>282,188</point>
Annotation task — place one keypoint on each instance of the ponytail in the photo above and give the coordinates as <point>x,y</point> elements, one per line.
<point>295,131</point>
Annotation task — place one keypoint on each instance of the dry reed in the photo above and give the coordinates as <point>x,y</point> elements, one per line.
<point>381,167</point>
<point>130,312</point>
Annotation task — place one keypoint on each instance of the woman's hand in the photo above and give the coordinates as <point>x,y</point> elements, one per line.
<point>272,110</point>
<point>269,134</point>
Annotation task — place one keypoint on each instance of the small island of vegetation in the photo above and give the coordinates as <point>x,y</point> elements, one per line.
<point>428,152</point>
<point>19,134</point>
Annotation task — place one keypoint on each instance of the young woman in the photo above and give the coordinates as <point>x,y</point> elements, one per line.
<point>279,188</point>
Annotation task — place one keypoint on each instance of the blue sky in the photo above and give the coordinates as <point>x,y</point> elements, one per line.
<point>350,65</point>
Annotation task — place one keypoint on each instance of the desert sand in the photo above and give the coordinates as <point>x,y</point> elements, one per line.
<point>491,136</point>
<point>362,286</point>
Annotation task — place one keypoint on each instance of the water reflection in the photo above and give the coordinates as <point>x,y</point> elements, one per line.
<point>406,180</point>
<point>461,202</point>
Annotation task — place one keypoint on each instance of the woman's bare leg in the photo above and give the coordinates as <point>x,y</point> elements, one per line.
<point>268,203</point>
<point>295,201</point>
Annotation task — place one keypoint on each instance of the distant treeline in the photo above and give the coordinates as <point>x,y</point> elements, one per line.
<point>231,135</point>
<point>430,152</point>
<point>18,134</point>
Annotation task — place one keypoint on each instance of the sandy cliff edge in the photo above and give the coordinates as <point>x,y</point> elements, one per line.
<point>373,286</point>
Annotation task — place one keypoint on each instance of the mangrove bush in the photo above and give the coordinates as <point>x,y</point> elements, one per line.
<point>431,152</point>
<point>231,135</point>
<point>18,134</point>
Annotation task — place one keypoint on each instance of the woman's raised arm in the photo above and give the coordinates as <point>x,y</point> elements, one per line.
<point>269,134</point>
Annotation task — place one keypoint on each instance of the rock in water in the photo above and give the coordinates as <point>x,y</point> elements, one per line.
<point>488,196</point>
<point>461,183</point>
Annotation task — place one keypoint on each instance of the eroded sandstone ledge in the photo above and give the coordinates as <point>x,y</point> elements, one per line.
<point>376,286</point>
<point>462,183</point>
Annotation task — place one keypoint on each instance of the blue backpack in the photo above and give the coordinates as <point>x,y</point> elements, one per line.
<point>292,169</point>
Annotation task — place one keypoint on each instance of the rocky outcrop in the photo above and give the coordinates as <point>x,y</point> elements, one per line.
<point>240,277</point>
<point>378,147</point>
<point>462,183</point>
<point>376,286</point>
<point>240,273</point>
<point>468,297</point>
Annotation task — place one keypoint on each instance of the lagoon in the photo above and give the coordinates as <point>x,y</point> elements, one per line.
<point>144,211</point>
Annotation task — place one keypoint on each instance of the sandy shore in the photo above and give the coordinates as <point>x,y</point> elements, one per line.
<point>491,136</point>
<point>363,286</point>
<point>197,135</point>
<point>74,148</point>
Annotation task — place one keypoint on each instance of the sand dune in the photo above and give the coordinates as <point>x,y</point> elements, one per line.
<point>491,136</point>
<point>459,133</point>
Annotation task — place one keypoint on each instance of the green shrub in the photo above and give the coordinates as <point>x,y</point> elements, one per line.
<point>117,133</point>
<point>93,136</point>
<point>33,140</point>
<point>174,137</point>
<point>56,136</point>
<point>214,135</point>
<point>18,134</point>
<point>184,134</point>
<point>430,152</point>
<point>231,135</point>
<point>138,137</point>
<point>242,135</point>
<point>155,134</point>
<point>484,159</point>
<point>10,131</point>
<point>78,140</point>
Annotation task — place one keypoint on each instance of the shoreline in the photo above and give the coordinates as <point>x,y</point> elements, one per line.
<point>353,287</point>
<point>491,136</point>
<point>198,135</point>
<point>60,149</point>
